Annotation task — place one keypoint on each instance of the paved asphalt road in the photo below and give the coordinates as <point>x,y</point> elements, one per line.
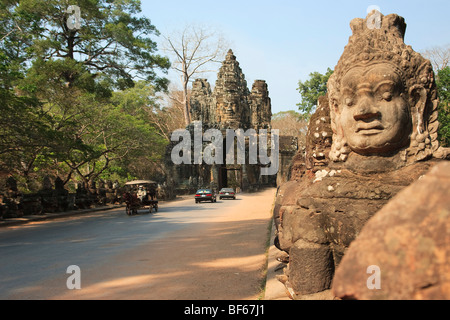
<point>105,245</point>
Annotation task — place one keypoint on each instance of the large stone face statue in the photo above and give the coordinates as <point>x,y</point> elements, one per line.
<point>382,96</point>
<point>383,116</point>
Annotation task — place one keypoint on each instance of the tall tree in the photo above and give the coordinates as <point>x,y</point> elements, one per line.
<point>193,49</point>
<point>163,113</point>
<point>111,41</point>
<point>141,102</point>
<point>71,72</point>
<point>443,87</point>
<point>290,123</point>
<point>310,90</point>
<point>439,56</point>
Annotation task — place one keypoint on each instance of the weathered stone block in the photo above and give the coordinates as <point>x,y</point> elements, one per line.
<point>409,240</point>
<point>311,267</point>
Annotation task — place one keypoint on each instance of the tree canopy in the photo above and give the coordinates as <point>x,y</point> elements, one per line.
<point>59,114</point>
<point>112,43</point>
<point>310,90</point>
<point>290,123</point>
<point>443,86</point>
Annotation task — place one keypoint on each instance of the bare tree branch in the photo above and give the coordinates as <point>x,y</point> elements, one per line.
<point>193,49</point>
<point>438,56</point>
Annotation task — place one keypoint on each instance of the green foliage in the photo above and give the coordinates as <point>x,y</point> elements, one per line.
<point>311,90</point>
<point>23,131</point>
<point>137,101</point>
<point>443,86</point>
<point>59,114</point>
<point>113,43</point>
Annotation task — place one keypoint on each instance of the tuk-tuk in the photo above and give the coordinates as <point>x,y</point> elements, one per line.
<point>140,194</point>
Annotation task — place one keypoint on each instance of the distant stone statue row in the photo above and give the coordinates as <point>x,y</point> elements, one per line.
<point>55,198</point>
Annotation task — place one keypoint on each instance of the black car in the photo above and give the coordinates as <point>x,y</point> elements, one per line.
<point>205,195</point>
<point>227,193</point>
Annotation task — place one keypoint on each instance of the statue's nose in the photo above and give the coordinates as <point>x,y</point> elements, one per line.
<point>366,109</point>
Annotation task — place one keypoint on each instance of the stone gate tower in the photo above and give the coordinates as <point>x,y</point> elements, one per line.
<point>230,105</point>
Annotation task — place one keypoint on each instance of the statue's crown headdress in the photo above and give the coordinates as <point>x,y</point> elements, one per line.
<point>379,38</point>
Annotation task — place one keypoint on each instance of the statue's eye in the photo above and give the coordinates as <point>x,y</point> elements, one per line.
<point>348,102</point>
<point>387,96</point>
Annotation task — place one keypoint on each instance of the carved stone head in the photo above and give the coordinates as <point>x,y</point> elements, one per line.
<point>382,95</point>
<point>318,138</point>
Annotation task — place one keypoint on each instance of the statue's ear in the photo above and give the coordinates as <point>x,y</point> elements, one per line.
<point>335,113</point>
<point>417,101</point>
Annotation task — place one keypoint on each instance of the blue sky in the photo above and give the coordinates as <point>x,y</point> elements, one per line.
<point>283,41</point>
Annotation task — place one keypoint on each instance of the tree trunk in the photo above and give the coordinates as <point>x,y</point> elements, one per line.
<point>187,116</point>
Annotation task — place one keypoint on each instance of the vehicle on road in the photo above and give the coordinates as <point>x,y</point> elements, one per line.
<point>140,194</point>
<point>227,193</point>
<point>205,195</point>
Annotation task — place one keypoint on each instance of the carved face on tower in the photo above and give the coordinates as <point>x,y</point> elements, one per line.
<point>382,95</point>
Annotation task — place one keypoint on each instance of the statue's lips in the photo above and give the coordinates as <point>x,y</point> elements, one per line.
<point>369,128</point>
